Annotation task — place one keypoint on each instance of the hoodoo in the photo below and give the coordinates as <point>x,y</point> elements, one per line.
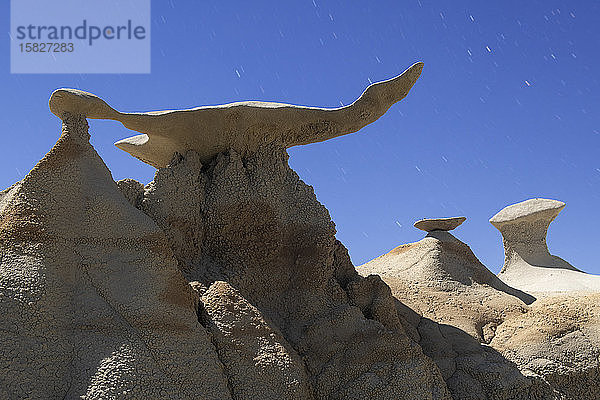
<point>453,303</point>
<point>528,265</point>
<point>222,278</point>
<point>288,316</point>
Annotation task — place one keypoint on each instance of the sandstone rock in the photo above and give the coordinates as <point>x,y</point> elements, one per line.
<point>442,262</point>
<point>234,211</point>
<point>439,224</point>
<point>259,362</point>
<point>92,303</point>
<point>243,127</point>
<point>251,222</point>
<point>558,339</point>
<point>132,190</point>
<point>486,342</point>
<point>528,265</point>
<point>454,304</point>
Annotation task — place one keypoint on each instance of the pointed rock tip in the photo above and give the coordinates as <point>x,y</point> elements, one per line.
<point>439,224</point>
<point>412,73</point>
<point>78,102</point>
<point>526,209</point>
<point>416,69</point>
<point>132,142</point>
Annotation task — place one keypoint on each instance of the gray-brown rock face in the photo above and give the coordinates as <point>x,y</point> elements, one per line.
<point>251,222</point>
<point>528,265</point>
<point>92,303</point>
<point>259,362</point>
<point>557,339</point>
<point>288,316</point>
<point>222,278</point>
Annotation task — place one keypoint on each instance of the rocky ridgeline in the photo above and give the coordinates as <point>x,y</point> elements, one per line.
<point>222,278</point>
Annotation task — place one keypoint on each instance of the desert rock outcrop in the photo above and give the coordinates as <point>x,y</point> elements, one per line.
<point>92,302</point>
<point>251,222</point>
<point>528,265</point>
<point>491,340</point>
<point>258,361</point>
<point>557,339</point>
<point>222,278</point>
<point>277,301</point>
<point>453,304</point>
<point>234,211</point>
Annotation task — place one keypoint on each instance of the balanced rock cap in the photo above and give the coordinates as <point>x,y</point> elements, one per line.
<point>242,126</point>
<point>528,209</point>
<point>439,224</point>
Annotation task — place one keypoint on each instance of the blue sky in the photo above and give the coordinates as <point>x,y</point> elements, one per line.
<point>507,107</point>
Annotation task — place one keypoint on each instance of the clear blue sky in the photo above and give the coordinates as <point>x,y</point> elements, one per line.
<point>507,107</point>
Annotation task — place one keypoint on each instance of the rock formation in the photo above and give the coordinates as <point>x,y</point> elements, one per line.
<point>528,265</point>
<point>251,222</point>
<point>557,339</point>
<point>222,278</point>
<point>453,303</point>
<point>278,310</point>
<point>490,340</point>
<point>243,127</point>
<point>259,362</point>
<point>439,224</point>
<point>92,303</point>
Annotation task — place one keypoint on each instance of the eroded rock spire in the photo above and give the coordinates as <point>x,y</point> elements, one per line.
<point>241,126</point>
<point>528,265</point>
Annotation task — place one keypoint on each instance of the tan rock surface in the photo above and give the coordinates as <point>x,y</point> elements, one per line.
<point>242,126</point>
<point>453,305</point>
<point>528,265</point>
<point>92,303</point>
<point>253,223</point>
<point>558,338</point>
<point>243,225</point>
<point>259,362</point>
<point>487,342</point>
<point>132,190</point>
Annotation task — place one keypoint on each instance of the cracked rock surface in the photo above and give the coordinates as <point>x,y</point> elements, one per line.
<point>251,222</point>
<point>92,302</point>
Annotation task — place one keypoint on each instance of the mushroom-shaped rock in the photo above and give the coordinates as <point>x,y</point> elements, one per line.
<point>528,265</point>
<point>439,224</point>
<point>242,126</point>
